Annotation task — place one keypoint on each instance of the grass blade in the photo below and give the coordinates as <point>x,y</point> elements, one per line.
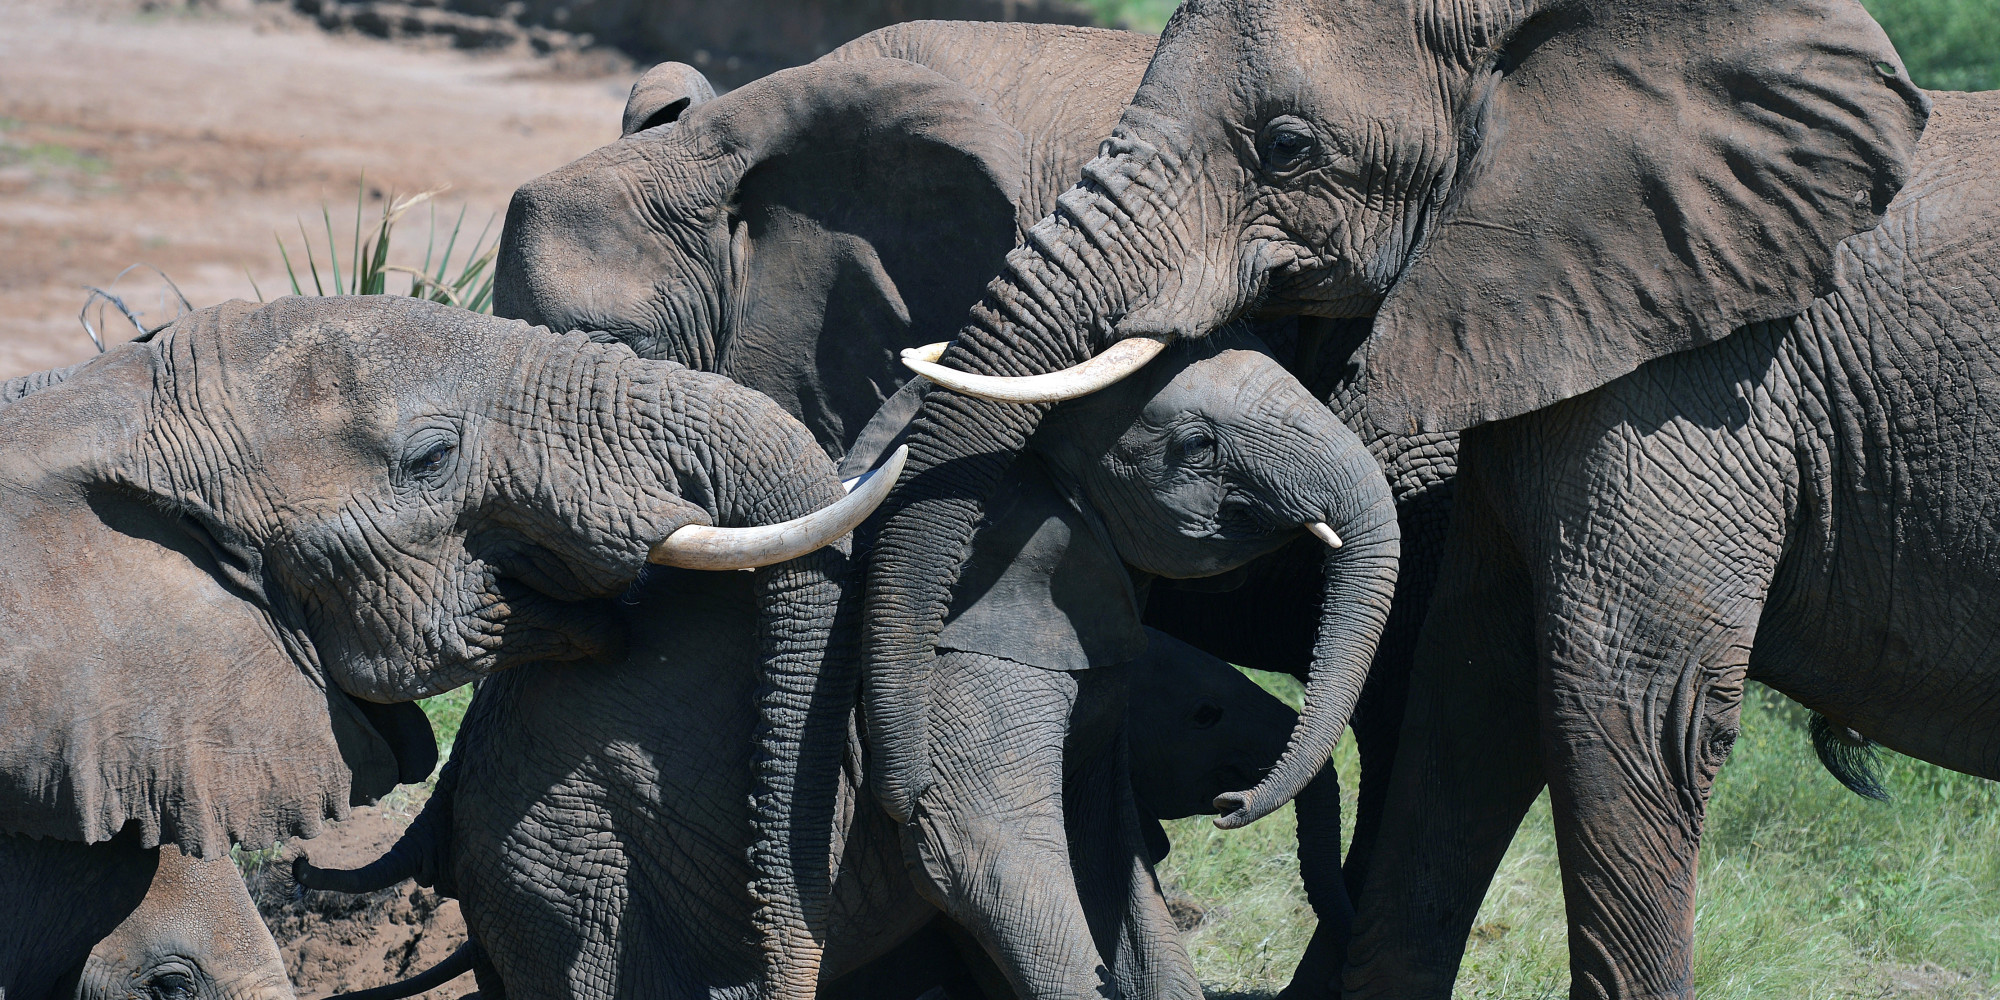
<point>289,271</point>
<point>318,289</point>
<point>332,250</point>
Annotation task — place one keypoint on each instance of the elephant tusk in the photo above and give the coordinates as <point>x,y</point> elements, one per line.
<point>1117,361</point>
<point>928,352</point>
<point>699,546</point>
<point>1324,534</point>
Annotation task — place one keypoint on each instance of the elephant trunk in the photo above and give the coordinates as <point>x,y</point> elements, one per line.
<point>1360,580</point>
<point>423,852</point>
<point>1053,303</point>
<point>776,472</point>
<point>665,448</point>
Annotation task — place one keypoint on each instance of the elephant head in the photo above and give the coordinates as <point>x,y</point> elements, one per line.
<point>1201,463</point>
<point>793,234</point>
<point>229,546</point>
<point>1529,199</point>
<point>195,936</point>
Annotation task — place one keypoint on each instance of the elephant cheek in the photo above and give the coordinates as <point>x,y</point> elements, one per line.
<point>462,641</point>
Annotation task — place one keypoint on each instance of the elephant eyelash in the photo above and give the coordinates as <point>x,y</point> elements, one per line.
<point>433,463</point>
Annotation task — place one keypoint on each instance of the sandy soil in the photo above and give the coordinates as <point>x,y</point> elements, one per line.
<point>184,138</point>
<point>335,943</point>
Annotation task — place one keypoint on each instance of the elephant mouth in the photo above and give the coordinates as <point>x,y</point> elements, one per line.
<point>514,624</point>
<point>1242,516</point>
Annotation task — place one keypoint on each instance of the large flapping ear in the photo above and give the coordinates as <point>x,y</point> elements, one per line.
<point>141,682</point>
<point>1637,178</point>
<point>876,198</point>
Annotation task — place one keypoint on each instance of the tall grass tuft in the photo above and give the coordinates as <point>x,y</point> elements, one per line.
<point>468,285</point>
<point>1807,891</point>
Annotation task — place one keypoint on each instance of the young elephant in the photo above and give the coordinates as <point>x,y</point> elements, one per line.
<point>129,922</point>
<point>608,858</point>
<point>225,545</point>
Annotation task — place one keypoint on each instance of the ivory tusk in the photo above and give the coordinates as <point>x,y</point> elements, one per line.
<point>1324,534</point>
<point>928,352</point>
<point>1117,361</point>
<point>699,546</point>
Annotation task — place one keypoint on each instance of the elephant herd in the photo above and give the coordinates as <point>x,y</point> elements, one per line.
<point>1522,377</point>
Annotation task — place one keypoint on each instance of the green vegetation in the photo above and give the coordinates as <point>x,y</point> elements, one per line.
<point>446,711</point>
<point>1135,15</point>
<point>469,286</point>
<point>1808,892</point>
<point>1947,44</point>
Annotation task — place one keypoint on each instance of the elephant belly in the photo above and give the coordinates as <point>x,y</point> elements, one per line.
<point>1887,611</point>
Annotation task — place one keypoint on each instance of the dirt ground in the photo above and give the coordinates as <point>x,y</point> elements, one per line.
<point>335,943</point>
<point>185,138</point>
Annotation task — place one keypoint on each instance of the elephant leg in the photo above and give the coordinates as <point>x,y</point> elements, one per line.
<point>1108,850</point>
<point>987,837</point>
<point>1467,768</point>
<point>1633,741</point>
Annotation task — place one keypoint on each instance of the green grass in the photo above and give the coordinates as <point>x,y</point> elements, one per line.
<point>468,285</point>
<point>1947,44</point>
<point>446,711</point>
<point>1807,891</point>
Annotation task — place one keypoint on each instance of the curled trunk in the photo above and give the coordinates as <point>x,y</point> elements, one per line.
<point>1354,605</point>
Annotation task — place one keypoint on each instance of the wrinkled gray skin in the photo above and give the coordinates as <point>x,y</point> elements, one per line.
<point>227,545</point>
<point>130,922</point>
<point>1524,202</point>
<point>796,234</point>
<point>596,810</point>
<point>1809,503</point>
<point>802,261</point>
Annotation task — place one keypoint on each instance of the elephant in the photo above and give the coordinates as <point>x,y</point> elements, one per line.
<point>1806,503</point>
<point>238,548</point>
<point>155,924</point>
<point>798,232</point>
<point>753,265</point>
<point>582,851</point>
<point>1483,211</point>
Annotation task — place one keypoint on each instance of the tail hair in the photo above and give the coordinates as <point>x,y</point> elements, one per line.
<point>1853,759</point>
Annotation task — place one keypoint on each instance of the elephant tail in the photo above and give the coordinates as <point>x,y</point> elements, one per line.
<point>1853,759</point>
<point>456,964</point>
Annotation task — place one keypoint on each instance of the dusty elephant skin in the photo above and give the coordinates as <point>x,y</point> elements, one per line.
<point>128,921</point>
<point>1812,502</point>
<point>653,786</point>
<point>233,541</point>
<point>1521,204</point>
<point>742,265</point>
<point>613,863</point>
<point>798,232</point>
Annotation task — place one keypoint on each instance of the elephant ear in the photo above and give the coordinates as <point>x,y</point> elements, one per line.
<point>1044,585</point>
<point>869,203</point>
<point>1634,179</point>
<point>142,684</point>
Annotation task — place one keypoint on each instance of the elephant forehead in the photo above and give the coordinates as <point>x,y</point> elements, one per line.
<point>1226,384</point>
<point>357,346</point>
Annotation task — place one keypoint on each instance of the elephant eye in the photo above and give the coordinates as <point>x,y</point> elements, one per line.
<point>171,985</point>
<point>431,464</point>
<point>1206,716</point>
<point>1196,447</point>
<point>1287,145</point>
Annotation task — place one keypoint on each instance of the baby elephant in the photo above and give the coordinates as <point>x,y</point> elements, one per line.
<point>166,926</point>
